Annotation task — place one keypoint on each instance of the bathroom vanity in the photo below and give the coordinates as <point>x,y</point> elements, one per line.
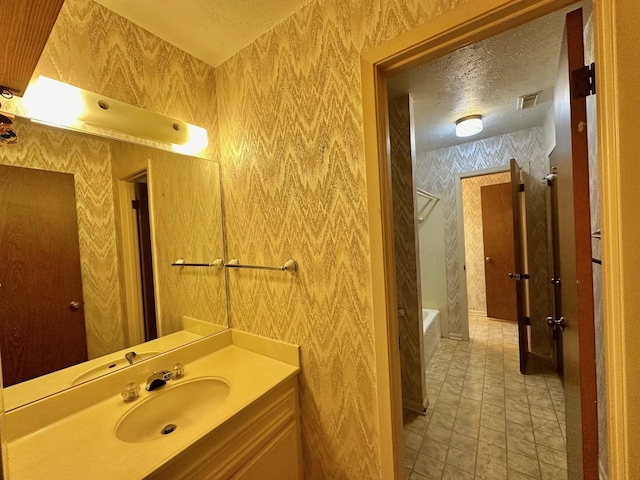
<point>234,414</point>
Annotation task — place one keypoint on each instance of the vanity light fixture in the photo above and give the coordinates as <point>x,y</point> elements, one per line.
<point>54,102</point>
<point>469,125</point>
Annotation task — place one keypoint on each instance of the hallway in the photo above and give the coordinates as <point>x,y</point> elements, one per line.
<point>485,420</point>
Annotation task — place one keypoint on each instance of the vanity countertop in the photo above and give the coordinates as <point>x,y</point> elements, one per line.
<point>82,442</point>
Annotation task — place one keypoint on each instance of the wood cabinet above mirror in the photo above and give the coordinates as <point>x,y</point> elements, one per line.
<point>25,27</point>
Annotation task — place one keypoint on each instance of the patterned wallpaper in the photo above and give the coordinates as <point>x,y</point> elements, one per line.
<point>406,249</point>
<point>436,171</point>
<point>473,241</point>
<point>95,49</point>
<point>89,160</point>
<point>292,154</point>
<point>293,175</point>
<point>186,218</point>
<point>186,222</point>
<point>92,48</point>
<point>289,111</point>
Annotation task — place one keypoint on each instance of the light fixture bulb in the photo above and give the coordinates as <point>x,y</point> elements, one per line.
<point>468,126</point>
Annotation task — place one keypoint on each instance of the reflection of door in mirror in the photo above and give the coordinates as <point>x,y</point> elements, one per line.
<point>141,206</point>
<point>40,283</point>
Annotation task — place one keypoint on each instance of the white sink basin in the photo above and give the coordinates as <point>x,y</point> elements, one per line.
<point>110,366</point>
<point>173,408</point>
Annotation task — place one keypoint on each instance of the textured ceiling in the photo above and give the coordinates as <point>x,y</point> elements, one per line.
<point>485,78</point>
<point>211,30</point>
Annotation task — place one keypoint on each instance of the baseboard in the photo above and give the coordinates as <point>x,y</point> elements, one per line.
<point>416,407</point>
<point>603,473</point>
<point>455,336</point>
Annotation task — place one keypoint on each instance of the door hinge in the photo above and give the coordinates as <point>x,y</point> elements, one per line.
<point>527,320</point>
<point>521,188</point>
<point>583,81</point>
<point>135,204</point>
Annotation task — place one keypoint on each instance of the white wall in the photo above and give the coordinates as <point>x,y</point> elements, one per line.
<point>433,268</point>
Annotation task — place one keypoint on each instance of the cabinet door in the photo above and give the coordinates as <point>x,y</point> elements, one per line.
<point>278,460</point>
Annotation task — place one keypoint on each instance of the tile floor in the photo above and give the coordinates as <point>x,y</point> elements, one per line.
<point>486,420</point>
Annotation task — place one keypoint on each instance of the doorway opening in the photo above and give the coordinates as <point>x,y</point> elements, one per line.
<point>487,219</point>
<point>134,232</point>
<point>428,51</point>
<point>141,206</point>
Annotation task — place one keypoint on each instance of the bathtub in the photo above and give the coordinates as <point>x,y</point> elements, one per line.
<point>431,332</point>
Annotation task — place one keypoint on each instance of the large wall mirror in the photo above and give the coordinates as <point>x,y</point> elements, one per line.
<point>91,231</point>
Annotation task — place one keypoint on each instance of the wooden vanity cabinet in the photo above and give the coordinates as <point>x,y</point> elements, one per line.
<point>261,442</point>
<point>25,26</point>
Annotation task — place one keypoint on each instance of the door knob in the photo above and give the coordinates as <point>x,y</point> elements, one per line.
<point>74,305</point>
<point>556,322</point>
<point>487,259</point>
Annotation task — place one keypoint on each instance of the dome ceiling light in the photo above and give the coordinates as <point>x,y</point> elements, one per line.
<point>469,125</point>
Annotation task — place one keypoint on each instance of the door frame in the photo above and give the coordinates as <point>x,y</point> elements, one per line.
<point>462,255</point>
<point>127,239</point>
<point>439,36</point>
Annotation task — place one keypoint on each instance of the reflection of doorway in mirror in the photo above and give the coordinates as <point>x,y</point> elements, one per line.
<point>42,326</point>
<point>134,231</point>
<point>141,206</point>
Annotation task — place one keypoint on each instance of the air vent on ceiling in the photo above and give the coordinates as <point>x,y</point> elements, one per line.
<point>528,101</point>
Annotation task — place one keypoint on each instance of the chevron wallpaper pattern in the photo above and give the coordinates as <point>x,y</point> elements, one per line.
<point>436,172</point>
<point>414,392</point>
<point>288,112</point>
<point>92,48</point>
<point>293,175</point>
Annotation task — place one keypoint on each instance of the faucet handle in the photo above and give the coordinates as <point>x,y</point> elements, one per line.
<point>178,371</point>
<point>131,392</point>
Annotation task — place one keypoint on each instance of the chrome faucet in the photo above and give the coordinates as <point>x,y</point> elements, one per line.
<point>161,377</point>
<point>131,357</point>
<point>158,379</point>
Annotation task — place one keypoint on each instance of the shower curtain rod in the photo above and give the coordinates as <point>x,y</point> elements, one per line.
<point>424,193</point>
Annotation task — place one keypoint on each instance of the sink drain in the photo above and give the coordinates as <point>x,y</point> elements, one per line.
<point>167,429</point>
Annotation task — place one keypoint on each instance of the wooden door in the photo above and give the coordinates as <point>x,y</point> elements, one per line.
<point>520,275</point>
<point>536,246</point>
<point>146,262</point>
<point>556,311</point>
<point>41,308</point>
<point>575,268</point>
<point>497,225</point>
